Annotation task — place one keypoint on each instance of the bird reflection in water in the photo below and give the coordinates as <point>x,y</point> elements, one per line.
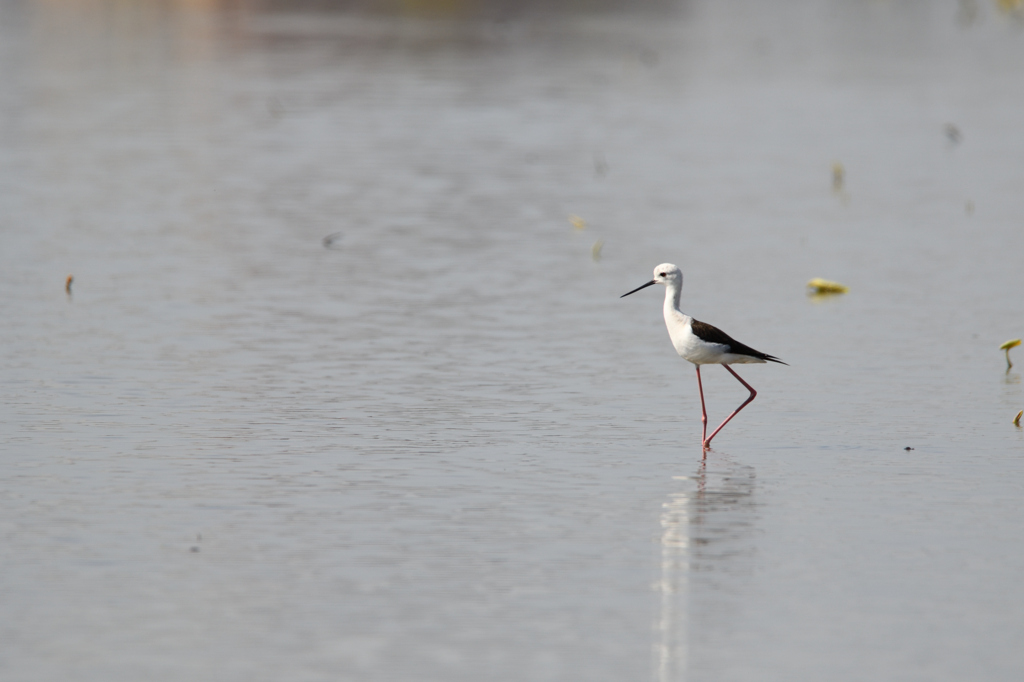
<point>707,559</point>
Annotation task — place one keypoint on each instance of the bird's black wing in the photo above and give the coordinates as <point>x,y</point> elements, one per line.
<point>711,334</point>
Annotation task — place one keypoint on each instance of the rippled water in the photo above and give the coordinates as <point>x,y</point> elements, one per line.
<point>440,447</point>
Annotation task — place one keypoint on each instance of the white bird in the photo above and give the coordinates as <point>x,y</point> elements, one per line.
<point>700,343</point>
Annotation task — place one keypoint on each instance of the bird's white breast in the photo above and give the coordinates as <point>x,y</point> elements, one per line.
<point>687,344</point>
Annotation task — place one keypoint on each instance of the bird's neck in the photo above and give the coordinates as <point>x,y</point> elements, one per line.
<point>672,293</point>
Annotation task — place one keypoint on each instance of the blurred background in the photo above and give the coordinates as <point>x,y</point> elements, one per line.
<point>314,365</point>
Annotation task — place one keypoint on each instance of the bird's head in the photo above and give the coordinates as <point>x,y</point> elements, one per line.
<point>666,273</point>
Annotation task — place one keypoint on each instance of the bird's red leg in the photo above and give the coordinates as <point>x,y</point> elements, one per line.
<point>703,410</point>
<point>753,394</point>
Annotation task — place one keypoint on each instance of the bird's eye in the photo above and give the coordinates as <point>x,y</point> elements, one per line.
<point>661,274</point>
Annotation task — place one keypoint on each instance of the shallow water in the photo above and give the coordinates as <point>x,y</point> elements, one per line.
<point>443,448</point>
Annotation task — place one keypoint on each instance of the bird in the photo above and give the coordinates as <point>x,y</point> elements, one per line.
<point>702,344</point>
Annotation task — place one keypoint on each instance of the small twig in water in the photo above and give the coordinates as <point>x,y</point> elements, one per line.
<point>1012,343</point>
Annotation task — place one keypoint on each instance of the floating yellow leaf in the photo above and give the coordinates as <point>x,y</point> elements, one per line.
<point>1016,420</point>
<point>838,175</point>
<point>1012,343</point>
<point>578,222</point>
<point>595,250</point>
<point>823,286</point>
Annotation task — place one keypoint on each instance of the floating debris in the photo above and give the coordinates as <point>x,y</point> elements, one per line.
<point>1016,420</point>
<point>824,286</point>
<point>838,176</point>
<point>67,284</point>
<point>275,108</point>
<point>578,222</point>
<point>648,57</point>
<point>1012,343</point>
<point>953,133</point>
<point>968,12</point>
<point>908,448</point>
<point>332,239</point>
<point>595,250</point>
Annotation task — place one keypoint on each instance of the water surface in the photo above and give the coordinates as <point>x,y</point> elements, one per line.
<point>443,448</point>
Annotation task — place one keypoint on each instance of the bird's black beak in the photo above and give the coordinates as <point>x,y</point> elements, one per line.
<point>642,286</point>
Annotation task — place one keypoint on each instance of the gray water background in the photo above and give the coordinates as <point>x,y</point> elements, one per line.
<point>443,448</point>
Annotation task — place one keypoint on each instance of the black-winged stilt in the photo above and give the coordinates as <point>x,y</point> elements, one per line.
<point>700,343</point>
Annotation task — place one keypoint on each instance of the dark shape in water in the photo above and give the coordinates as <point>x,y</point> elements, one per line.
<point>332,239</point>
